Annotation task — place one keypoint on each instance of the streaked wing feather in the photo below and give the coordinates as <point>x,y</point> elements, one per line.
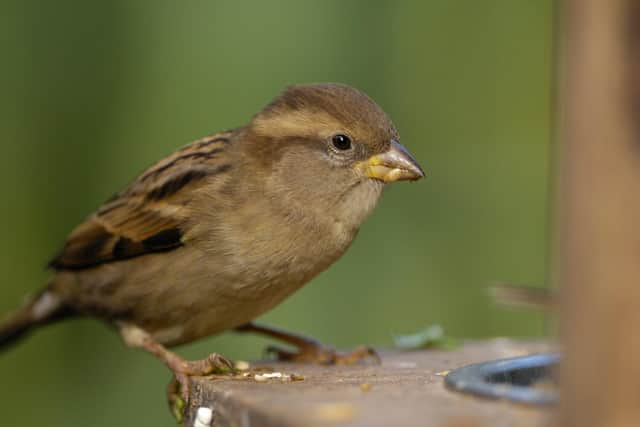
<point>150,214</point>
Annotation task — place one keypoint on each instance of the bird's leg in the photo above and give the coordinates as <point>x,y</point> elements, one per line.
<point>309,350</point>
<point>179,388</point>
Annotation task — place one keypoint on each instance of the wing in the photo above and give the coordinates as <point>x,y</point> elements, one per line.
<point>150,214</point>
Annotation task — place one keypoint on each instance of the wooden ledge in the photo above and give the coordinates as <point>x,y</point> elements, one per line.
<point>405,390</point>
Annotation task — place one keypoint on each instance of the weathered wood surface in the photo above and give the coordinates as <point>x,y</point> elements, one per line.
<point>599,206</point>
<point>405,390</point>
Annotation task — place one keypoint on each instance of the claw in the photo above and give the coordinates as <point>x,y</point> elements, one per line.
<point>176,400</point>
<point>220,364</point>
<point>213,364</point>
<point>310,350</point>
<point>324,355</point>
<point>179,388</point>
<point>358,354</point>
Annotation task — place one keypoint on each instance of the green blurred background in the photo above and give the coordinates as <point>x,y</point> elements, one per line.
<point>93,92</point>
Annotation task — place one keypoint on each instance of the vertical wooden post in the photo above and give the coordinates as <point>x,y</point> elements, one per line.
<point>599,213</point>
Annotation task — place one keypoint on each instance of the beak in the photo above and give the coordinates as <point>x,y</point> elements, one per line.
<point>395,164</point>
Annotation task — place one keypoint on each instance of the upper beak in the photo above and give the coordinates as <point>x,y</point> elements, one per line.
<point>395,164</point>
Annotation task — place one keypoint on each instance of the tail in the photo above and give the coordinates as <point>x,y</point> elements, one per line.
<point>41,309</point>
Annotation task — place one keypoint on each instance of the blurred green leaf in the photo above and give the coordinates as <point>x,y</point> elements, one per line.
<point>430,337</point>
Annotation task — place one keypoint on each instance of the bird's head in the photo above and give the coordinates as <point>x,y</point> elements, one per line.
<point>332,144</point>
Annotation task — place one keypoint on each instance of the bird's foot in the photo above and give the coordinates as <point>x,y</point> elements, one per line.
<point>309,350</point>
<point>179,388</point>
<point>323,355</point>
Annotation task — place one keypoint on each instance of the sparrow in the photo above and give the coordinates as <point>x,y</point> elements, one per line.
<point>225,228</point>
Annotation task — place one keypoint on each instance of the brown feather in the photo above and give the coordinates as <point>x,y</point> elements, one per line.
<point>150,215</point>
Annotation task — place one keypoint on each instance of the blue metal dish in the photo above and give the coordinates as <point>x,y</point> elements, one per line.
<point>516,379</point>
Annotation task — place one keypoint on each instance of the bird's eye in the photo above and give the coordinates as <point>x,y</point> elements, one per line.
<point>341,142</point>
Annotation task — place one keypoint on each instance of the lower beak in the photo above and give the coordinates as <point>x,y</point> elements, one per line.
<point>395,164</point>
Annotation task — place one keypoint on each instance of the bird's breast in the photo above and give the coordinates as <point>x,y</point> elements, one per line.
<point>276,252</point>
